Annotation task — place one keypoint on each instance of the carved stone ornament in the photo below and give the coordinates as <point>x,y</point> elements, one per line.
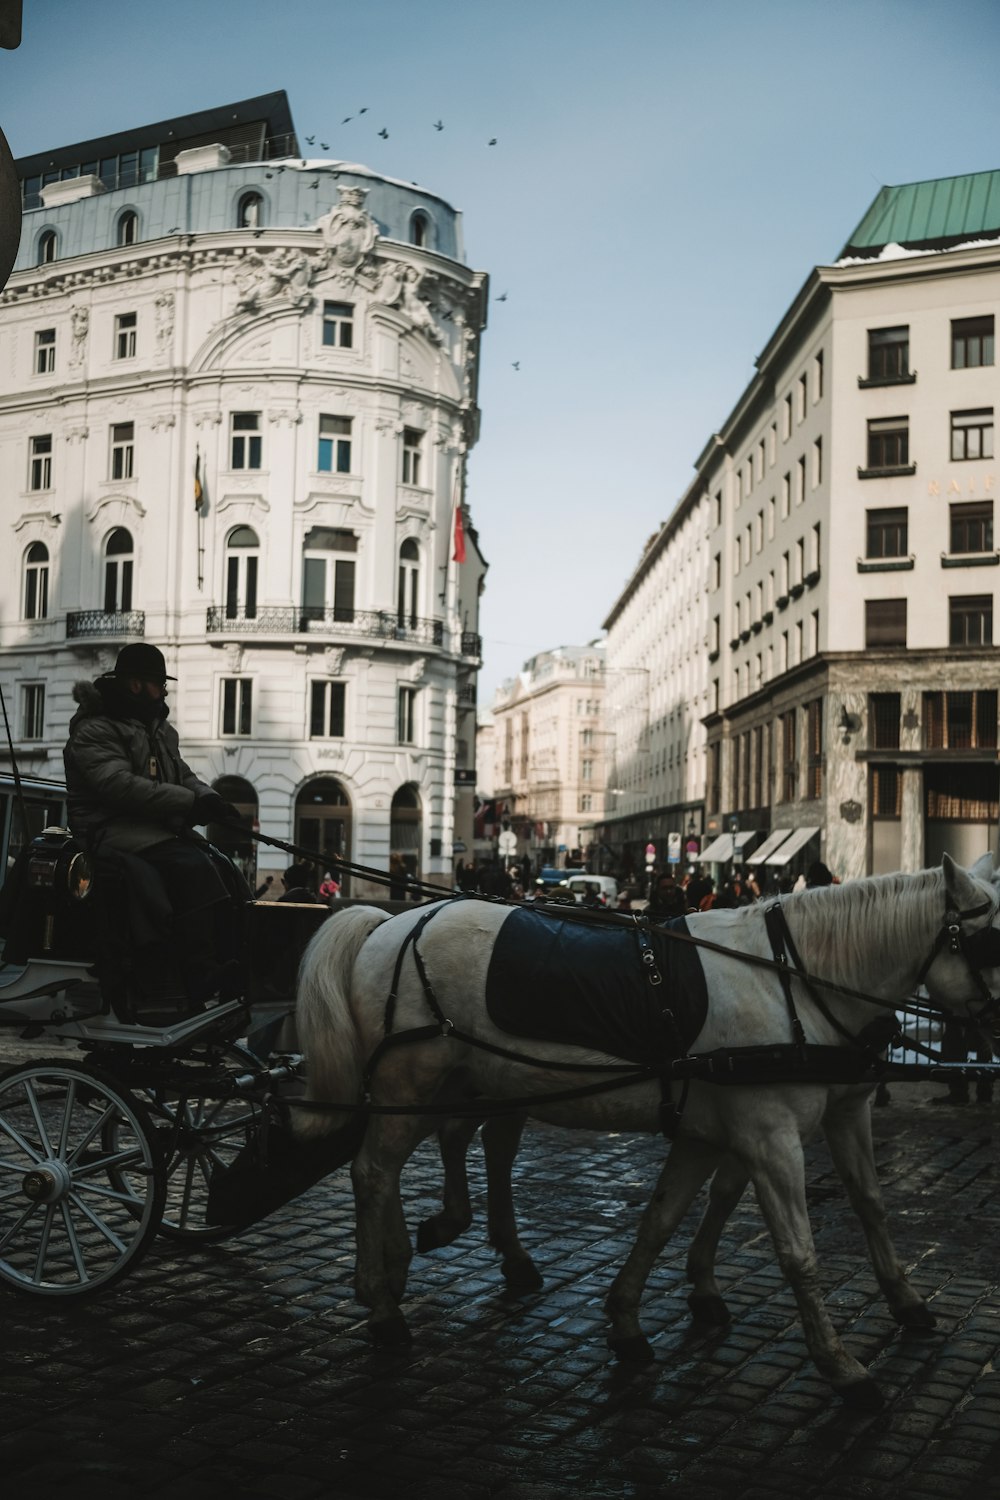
<point>164,305</point>
<point>279,276</point>
<point>417,668</point>
<point>333,660</point>
<point>79,318</point>
<point>348,231</point>
<point>234,656</point>
<point>850,811</point>
<point>401,286</point>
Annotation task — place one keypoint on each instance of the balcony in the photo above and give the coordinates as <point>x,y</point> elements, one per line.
<point>467,695</point>
<point>472,644</point>
<point>310,619</point>
<point>111,624</point>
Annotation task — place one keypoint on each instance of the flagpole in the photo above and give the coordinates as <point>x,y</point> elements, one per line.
<point>199,508</point>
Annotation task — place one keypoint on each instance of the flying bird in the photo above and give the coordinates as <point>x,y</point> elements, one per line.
<point>347,120</point>
<point>363,111</point>
<point>310,139</point>
<point>516,363</point>
<point>324,145</point>
<point>268,174</point>
<point>502,297</point>
<point>315,184</point>
<point>384,133</point>
<point>438,124</point>
<point>492,142</point>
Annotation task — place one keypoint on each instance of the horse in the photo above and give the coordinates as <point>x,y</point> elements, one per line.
<point>882,935</point>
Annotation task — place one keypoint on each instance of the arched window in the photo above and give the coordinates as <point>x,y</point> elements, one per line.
<point>36,582</point>
<point>47,247</point>
<point>323,822</point>
<point>242,554</point>
<point>128,228</point>
<point>408,596</point>
<point>118,568</point>
<point>328,574</point>
<point>250,211</point>
<point>420,228</point>
<point>405,831</point>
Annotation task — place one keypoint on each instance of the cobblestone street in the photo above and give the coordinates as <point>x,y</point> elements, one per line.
<point>244,1368</point>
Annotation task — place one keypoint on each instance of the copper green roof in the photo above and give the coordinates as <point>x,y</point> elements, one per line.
<point>930,213</point>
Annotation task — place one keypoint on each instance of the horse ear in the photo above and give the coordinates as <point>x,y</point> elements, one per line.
<point>959,883</point>
<point>983,868</point>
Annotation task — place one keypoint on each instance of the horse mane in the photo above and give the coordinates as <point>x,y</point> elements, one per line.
<point>835,926</point>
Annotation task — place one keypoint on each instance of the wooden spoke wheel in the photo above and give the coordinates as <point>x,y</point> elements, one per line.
<point>81,1179</point>
<point>205,1128</point>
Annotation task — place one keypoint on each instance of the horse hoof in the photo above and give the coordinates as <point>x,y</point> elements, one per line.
<point>918,1319</point>
<point>708,1310</point>
<point>635,1350</point>
<point>390,1333</point>
<point>861,1395</point>
<point>522,1276</point>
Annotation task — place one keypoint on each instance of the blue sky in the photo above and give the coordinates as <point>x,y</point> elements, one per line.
<point>664,178</point>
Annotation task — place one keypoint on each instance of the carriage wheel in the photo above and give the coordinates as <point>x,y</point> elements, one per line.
<point>213,1130</point>
<point>81,1182</point>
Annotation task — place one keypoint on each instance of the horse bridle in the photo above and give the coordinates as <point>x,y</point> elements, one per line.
<point>980,950</point>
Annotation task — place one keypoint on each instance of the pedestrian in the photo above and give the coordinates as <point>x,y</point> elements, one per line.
<point>667,899</point>
<point>329,889</point>
<point>264,887</point>
<point>134,803</point>
<point>397,878</point>
<point>818,876</point>
<point>297,881</point>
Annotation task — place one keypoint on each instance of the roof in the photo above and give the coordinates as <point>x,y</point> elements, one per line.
<point>930,213</point>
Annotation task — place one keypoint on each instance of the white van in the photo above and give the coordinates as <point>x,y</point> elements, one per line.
<point>583,885</point>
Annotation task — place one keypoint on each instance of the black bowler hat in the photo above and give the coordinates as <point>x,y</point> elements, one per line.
<point>144,662</point>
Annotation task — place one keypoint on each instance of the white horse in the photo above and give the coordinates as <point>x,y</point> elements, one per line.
<point>880,936</point>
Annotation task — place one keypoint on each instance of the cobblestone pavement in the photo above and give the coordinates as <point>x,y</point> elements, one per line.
<point>244,1368</point>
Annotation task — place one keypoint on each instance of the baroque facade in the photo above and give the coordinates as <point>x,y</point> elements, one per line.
<point>844,546</point>
<point>237,392</point>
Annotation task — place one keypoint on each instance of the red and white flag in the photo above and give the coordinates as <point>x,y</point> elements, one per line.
<point>459,553</point>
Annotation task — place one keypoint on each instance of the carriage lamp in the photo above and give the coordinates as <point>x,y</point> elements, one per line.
<point>848,724</point>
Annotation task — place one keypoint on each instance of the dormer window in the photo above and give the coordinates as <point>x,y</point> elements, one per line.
<point>420,229</point>
<point>47,247</point>
<point>250,211</point>
<point>128,228</point>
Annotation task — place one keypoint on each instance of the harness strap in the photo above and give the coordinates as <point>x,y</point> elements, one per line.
<point>783,948</point>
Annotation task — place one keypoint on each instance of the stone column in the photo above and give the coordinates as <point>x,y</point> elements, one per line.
<point>912,815</point>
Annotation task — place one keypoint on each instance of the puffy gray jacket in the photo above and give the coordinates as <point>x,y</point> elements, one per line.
<point>127,783</point>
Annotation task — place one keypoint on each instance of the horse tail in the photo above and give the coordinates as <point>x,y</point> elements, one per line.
<point>324,1019</point>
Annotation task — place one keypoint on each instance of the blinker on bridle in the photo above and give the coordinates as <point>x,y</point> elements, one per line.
<point>981,950</point>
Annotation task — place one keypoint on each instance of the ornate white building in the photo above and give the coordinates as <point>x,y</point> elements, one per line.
<point>237,391</point>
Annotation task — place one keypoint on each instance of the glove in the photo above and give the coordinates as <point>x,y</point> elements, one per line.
<point>209,807</point>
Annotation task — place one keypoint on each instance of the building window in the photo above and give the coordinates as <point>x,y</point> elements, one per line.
<point>338,325</point>
<point>889,443</point>
<point>328,574</point>
<point>128,228</point>
<point>406,715</point>
<point>801,392</point>
<point>412,454</point>
<point>250,211</point>
<point>408,585</point>
<point>786,417</point>
<point>970,620</point>
<point>36,582</point>
<point>786,495</point>
<point>118,571</point>
<point>888,354</point>
<point>47,245</point>
<point>960,721</point>
<point>883,721</point>
<point>972,433</point>
<point>886,793</point>
<point>45,351</point>
<point>40,462</point>
<point>885,622</point>
<point>887,532</point>
<point>326,710</point>
<point>334,445</point>
<point>814,748</point>
<point>818,377</point>
<point>420,226</point>
<point>962,794</point>
<point>971,342</point>
<point>237,705</point>
<point>245,440</point>
<point>971,528</point>
<point>817,474</point>
<point>800,480</point>
<point>789,765</point>
<point>586,803</point>
<point>586,770</point>
<point>122,450</point>
<point>242,560</point>
<point>33,711</point>
<point>125,328</point>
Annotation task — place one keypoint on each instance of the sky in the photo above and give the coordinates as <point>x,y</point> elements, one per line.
<point>666,174</point>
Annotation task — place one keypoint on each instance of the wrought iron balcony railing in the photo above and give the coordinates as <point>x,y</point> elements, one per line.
<point>472,644</point>
<point>283,619</point>
<point>117,624</point>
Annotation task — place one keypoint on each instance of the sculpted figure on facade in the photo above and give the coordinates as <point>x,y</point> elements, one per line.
<point>349,232</point>
<point>400,286</point>
<point>79,319</point>
<point>283,275</point>
<point>164,305</point>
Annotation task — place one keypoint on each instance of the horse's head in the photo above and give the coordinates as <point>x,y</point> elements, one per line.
<point>962,970</point>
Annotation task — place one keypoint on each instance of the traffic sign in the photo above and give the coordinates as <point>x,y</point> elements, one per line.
<point>507,842</point>
<point>673,848</point>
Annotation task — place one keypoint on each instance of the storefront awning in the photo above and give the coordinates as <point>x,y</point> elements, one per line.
<point>768,846</point>
<point>792,845</point>
<point>719,850</point>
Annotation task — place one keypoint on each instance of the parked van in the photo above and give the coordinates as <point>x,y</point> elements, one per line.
<point>583,885</point>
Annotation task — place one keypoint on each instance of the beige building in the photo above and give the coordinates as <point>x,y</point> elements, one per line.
<point>842,528</point>
<point>550,752</point>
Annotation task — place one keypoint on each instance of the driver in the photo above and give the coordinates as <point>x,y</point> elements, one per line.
<point>132,803</point>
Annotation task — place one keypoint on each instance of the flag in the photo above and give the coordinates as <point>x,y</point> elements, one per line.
<point>198,492</point>
<point>459,553</point>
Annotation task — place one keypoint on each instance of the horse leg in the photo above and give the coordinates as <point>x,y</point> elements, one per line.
<point>455,1216</point>
<point>725,1191</point>
<point>847,1127</point>
<point>685,1171</point>
<point>383,1245</point>
<point>777,1169</point>
<point>501,1138</point>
